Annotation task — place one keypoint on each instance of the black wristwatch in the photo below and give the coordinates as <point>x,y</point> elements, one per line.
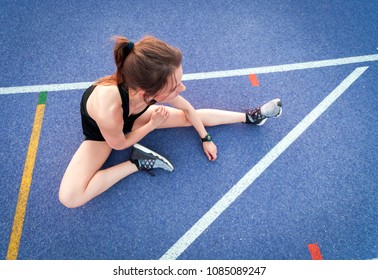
<point>207,138</point>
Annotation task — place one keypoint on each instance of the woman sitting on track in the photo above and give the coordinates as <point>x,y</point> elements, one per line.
<point>118,111</point>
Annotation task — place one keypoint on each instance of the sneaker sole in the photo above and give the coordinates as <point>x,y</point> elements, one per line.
<point>279,104</point>
<point>160,157</point>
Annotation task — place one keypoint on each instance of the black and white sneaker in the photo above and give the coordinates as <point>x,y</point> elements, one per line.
<point>146,160</point>
<point>271,109</point>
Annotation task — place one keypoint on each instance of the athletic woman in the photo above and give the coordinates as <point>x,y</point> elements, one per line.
<point>117,111</point>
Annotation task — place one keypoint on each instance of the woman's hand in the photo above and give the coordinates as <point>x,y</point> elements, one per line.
<point>158,116</point>
<point>210,150</point>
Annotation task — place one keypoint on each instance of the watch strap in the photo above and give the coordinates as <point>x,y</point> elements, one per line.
<point>207,138</point>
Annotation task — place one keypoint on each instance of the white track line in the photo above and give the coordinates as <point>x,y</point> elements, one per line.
<point>208,75</point>
<point>49,88</point>
<point>282,68</point>
<point>203,223</point>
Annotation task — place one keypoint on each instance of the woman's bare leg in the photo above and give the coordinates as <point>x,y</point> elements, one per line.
<point>83,180</point>
<point>212,117</point>
<point>209,117</point>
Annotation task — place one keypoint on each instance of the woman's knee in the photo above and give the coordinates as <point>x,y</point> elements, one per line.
<point>67,197</point>
<point>87,160</point>
<point>177,118</point>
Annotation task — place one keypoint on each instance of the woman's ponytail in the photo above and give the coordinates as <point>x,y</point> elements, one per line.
<point>148,65</point>
<point>123,47</point>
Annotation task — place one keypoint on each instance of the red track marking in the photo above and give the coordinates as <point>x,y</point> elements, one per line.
<point>253,80</point>
<point>315,251</point>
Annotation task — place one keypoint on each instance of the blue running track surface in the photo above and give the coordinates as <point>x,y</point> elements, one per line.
<point>322,188</point>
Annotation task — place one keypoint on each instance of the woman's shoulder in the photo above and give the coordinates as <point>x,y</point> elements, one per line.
<point>106,89</point>
<point>104,100</point>
<point>106,94</point>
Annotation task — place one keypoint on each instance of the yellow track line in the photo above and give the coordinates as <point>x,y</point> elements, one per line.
<point>27,176</point>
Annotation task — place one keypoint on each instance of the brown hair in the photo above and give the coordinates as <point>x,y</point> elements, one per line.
<point>149,64</point>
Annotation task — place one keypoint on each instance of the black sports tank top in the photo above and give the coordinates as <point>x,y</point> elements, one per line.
<point>90,127</point>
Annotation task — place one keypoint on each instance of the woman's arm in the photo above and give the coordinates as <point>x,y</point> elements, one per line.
<point>106,109</point>
<point>193,117</point>
<point>111,128</point>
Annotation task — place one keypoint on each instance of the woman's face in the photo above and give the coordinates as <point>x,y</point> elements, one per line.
<point>173,89</point>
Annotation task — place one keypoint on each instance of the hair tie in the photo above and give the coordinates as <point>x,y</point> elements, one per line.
<point>130,45</point>
<point>128,48</point>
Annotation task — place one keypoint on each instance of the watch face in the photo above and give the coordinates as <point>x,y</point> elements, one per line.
<point>207,138</point>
